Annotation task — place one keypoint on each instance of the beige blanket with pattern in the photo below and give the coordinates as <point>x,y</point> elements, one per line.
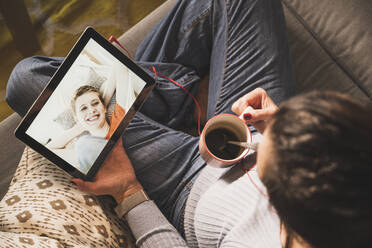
<point>42,208</point>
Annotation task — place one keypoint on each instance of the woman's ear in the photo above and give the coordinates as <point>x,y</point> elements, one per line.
<point>283,235</point>
<point>290,239</point>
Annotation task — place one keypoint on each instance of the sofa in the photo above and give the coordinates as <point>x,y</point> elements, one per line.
<point>330,43</point>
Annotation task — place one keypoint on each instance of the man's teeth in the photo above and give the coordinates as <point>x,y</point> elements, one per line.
<point>93,118</point>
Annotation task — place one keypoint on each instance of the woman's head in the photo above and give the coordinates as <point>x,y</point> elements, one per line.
<point>87,105</point>
<point>318,173</point>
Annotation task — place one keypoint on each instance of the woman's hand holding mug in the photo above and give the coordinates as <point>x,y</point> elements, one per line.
<point>255,108</point>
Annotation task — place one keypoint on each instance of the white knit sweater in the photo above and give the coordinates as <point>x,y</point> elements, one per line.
<point>224,209</point>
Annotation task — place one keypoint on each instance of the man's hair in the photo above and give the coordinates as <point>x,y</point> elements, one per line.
<point>81,91</point>
<point>319,177</point>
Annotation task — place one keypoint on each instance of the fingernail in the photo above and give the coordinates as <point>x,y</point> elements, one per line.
<point>247,116</point>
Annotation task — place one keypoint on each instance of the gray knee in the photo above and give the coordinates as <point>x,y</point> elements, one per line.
<point>27,80</point>
<point>16,87</point>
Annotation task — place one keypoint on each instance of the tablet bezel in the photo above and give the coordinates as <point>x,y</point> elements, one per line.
<point>20,131</point>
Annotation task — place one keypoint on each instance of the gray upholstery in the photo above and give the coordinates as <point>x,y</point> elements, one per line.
<point>331,44</point>
<point>330,41</point>
<point>10,151</point>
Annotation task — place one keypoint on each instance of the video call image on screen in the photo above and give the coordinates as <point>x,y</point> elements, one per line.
<point>86,107</point>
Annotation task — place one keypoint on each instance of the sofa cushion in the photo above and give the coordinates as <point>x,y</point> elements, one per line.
<point>330,44</point>
<point>42,201</point>
<point>14,240</point>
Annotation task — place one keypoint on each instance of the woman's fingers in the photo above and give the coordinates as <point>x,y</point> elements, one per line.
<point>85,186</point>
<point>255,108</point>
<point>257,117</point>
<point>250,117</point>
<point>253,115</point>
<point>116,177</point>
<point>253,99</point>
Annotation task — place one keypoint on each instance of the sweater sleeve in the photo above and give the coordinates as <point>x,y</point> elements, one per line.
<point>151,229</point>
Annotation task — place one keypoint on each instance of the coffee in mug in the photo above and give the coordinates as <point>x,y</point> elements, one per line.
<point>213,144</point>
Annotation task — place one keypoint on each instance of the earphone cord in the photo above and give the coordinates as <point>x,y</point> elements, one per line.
<point>253,182</point>
<point>112,39</point>
<point>184,89</point>
<point>271,208</point>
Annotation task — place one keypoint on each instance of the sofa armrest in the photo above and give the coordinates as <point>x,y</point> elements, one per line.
<point>10,152</point>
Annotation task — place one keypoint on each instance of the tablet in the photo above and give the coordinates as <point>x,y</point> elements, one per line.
<point>86,106</point>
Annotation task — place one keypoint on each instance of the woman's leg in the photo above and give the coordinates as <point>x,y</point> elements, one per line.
<point>252,52</point>
<point>179,47</point>
<point>242,43</point>
<point>28,79</point>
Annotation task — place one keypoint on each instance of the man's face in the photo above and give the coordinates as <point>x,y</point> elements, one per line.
<point>90,111</point>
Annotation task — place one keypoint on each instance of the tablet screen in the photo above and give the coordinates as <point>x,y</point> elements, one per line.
<point>77,121</point>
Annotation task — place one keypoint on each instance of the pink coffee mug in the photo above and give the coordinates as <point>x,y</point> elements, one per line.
<point>218,130</point>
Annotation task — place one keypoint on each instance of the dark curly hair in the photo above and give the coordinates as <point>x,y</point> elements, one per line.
<point>321,181</point>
